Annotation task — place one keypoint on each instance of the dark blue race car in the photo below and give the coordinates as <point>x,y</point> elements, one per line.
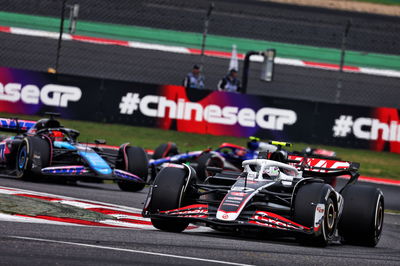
<point>229,156</point>
<point>46,148</point>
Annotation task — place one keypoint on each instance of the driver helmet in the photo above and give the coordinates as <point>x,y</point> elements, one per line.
<point>240,152</point>
<point>253,143</point>
<point>56,135</point>
<point>271,172</point>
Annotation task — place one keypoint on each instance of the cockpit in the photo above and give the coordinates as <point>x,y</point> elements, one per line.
<point>263,169</point>
<point>45,123</point>
<point>54,130</point>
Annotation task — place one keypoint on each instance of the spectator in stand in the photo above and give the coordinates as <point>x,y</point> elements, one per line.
<point>230,82</point>
<point>194,79</point>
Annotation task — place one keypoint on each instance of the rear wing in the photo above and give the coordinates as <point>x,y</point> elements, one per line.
<point>323,167</point>
<point>15,125</point>
<point>318,167</point>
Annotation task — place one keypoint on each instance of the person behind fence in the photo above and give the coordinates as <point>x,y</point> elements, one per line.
<point>230,82</point>
<point>194,79</point>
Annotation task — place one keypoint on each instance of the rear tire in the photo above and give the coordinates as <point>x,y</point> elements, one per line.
<point>137,163</point>
<point>33,155</point>
<point>165,150</point>
<point>305,210</point>
<point>205,160</point>
<point>168,194</point>
<point>363,212</point>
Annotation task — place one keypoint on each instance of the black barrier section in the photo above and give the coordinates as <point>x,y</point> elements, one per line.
<point>325,117</point>
<point>198,111</point>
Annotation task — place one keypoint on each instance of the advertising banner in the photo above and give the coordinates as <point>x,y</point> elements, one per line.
<point>207,112</point>
<point>34,93</point>
<point>361,127</point>
<point>198,111</point>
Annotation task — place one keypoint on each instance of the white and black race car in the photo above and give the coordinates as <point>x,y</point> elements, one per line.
<point>288,197</point>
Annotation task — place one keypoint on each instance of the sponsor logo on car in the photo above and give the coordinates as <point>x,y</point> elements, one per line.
<point>244,189</point>
<point>319,214</point>
<point>239,194</point>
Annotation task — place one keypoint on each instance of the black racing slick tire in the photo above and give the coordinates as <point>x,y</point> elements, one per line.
<point>165,150</point>
<point>33,155</point>
<point>169,193</point>
<point>306,209</point>
<point>363,212</point>
<point>136,163</point>
<point>207,160</point>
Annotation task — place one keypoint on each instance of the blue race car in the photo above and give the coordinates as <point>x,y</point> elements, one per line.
<point>228,156</point>
<point>46,148</point>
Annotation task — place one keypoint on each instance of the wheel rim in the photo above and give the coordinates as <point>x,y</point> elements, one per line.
<point>22,158</point>
<point>329,220</point>
<point>330,217</point>
<point>378,219</point>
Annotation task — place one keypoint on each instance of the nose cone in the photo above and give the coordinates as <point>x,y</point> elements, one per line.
<point>227,216</point>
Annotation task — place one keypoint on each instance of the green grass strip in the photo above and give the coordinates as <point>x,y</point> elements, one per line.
<point>193,40</point>
<point>381,2</point>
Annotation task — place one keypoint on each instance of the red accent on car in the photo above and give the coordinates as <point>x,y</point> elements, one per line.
<point>231,145</point>
<point>194,206</point>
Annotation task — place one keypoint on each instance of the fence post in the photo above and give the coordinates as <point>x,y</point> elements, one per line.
<point>342,55</point>
<point>60,36</point>
<point>246,65</point>
<point>205,31</point>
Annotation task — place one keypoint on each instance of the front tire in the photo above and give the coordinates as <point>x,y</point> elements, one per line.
<point>137,163</point>
<point>363,213</point>
<point>169,193</point>
<point>307,208</point>
<point>33,155</point>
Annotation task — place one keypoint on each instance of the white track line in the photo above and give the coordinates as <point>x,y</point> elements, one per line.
<point>130,251</point>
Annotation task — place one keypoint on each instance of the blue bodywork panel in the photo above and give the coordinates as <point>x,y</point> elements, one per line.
<point>175,158</point>
<point>95,162</point>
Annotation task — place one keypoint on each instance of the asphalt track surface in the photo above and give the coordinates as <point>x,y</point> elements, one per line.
<point>148,66</point>
<point>43,244</point>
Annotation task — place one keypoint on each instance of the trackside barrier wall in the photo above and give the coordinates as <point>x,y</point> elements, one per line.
<point>198,111</point>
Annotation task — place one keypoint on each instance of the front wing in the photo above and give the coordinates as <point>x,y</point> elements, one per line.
<point>81,171</point>
<point>207,214</point>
